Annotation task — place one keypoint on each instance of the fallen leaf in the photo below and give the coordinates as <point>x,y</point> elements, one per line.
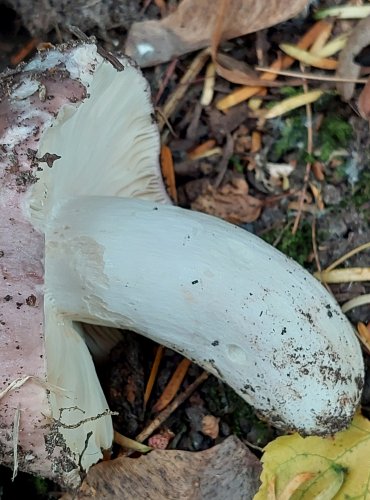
<point>347,68</point>
<point>230,201</point>
<point>307,57</point>
<point>190,27</point>
<point>290,103</point>
<point>340,464</point>
<point>363,103</point>
<point>210,426</point>
<point>244,93</point>
<point>228,470</point>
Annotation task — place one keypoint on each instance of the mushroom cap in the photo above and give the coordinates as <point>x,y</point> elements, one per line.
<point>43,354</point>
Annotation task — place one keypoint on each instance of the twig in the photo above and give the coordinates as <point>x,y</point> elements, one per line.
<point>347,255</point>
<point>130,444</point>
<point>154,424</point>
<point>310,76</point>
<point>169,72</point>
<point>174,99</point>
<point>104,53</point>
<point>228,151</point>
<point>153,374</point>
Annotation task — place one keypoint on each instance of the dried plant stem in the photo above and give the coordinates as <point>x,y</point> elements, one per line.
<point>158,421</point>
<point>311,76</point>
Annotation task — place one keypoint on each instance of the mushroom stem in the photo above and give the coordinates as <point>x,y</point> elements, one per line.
<point>215,293</point>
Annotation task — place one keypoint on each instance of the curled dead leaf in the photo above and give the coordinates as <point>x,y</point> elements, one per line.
<point>228,470</point>
<point>191,26</point>
<point>230,201</point>
<point>347,68</point>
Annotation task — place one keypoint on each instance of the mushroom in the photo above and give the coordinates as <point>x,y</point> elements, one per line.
<point>88,234</point>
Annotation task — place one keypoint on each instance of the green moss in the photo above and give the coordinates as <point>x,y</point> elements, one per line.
<point>334,133</point>
<point>292,133</point>
<point>236,163</point>
<point>361,190</point>
<point>297,246</point>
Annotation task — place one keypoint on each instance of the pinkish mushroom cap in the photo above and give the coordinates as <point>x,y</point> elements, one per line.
<point>46,371</point>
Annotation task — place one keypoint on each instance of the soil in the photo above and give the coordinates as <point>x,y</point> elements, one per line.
<point>323,235</point>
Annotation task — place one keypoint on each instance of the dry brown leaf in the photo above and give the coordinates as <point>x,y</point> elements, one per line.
<point>230,201</point>
<point>191,26</point>
<point>223,471</point>
<point>363,103</point>
<point>347,68</point>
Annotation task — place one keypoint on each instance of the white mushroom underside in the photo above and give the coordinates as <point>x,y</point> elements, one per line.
<point>210,290</point>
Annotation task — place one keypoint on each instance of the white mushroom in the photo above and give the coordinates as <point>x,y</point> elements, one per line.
<point>76,247</point>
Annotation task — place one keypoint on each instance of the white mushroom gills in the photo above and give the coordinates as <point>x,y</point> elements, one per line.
<point>215,293</point>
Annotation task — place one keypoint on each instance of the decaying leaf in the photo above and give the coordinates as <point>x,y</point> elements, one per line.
<point>347,68</point>
<point>340,466</point>
<point>230,201</point>
<point>363,103</point>
<point>228,470</point>
<point>191,25</point>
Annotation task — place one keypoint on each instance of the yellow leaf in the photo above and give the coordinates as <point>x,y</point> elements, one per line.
<point>291,103</point>
<point>340,465</point>
<point>307,57</point>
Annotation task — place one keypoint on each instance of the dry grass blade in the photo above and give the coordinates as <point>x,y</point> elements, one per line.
<point>347,255</point>
<point>312,76</point>
<point>153,374</point>
<point>291,103</point>
<point>346,275</point>
<point>173,386</point>
<point>175,98</point>
<point>209,85</point>
<point>322,38</point>
<point>130,444</point>
<point>331,48</point>
<point>307,58</point>
<point>359,301</point>
<point>168,172</point>
<point>345,12</point>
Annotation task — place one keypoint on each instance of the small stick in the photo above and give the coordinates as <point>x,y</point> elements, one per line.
<point>310,76</point>
<point>153,374</point>
<point>174,99</point>
<point>104,53</point>
<point>173,386</point>
<point>154,424</point>
<point>169,72</point>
